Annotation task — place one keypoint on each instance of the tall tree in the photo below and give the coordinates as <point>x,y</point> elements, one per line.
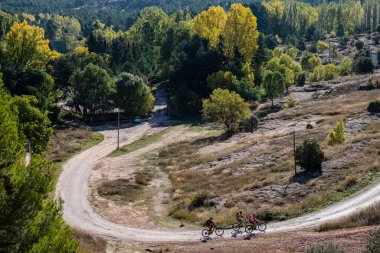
<point>92,88</point>
<point>240,32</point>
<point>210,24</point>
<point>25,45</point>
<point>274,85</point>
<point>133,95</point>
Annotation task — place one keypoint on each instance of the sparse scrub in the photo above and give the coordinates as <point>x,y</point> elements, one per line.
<point>120,188</point>
<point>68,142</point>
<point>292,102</point>
<point>330,248</point>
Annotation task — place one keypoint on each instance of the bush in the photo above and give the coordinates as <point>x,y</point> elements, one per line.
<point>250,124</point>
<point>322,46</point>
<point>373,243</point>
<point>292,102</point>
<point>376,39</point>
<point>345,67</point>
<point>330,72</point>
<point>248,90</point>
<point>336,136</point>
<point>301,80</point>
<point>362,65</point>
<point>374,106</point>
<point>309,155</point>
<point>330,248</point>
<point>370,85</point>
<point>359,44</point>
<point>197,200</point>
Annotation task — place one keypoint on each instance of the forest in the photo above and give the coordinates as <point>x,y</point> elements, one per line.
<point>57,54</point>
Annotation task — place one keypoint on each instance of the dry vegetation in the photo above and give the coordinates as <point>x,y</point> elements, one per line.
<point>367,217</point>
<point>90,244</point>
<point>69,141</point>
<point>257,174</point>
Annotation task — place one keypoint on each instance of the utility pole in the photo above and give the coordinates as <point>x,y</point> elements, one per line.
<point>118,128</point>
<point>294,152</point>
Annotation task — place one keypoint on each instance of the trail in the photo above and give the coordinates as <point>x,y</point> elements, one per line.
<point>73,188</point>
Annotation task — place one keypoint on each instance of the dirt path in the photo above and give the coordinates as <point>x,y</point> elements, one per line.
<point>73,188</point>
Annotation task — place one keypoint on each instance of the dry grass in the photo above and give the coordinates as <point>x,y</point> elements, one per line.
<point>67,142</point>
<point>367,217</point>
<point>90,244</point>
<point>120,189</point>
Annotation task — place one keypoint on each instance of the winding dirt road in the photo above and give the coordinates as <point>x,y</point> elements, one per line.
<point>73,188</point>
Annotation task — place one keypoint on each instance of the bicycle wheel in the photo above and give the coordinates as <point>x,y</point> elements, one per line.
<point>249,228</point>
<point>205,233</point>
<point>262,227</point>
<point>236,227</point>
<point>219,231</point>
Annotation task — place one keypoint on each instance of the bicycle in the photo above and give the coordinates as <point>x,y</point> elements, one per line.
<point>248,226</point>
<point>259,225</point>
<point>238,225</point>
<point>218,231</point>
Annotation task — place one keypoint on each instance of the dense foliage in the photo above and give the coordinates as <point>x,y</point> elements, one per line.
<point>309,155</point>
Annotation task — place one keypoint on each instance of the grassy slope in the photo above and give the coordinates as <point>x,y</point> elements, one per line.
<point>140,143</point>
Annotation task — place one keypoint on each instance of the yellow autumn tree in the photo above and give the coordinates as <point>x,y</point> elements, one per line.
<point>210,24</point>
<point>240,32</point>
<point>25,45</point>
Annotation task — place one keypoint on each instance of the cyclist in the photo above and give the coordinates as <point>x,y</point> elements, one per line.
<point>252,219</point>
<point>210,224</point>
<point>239,217</point>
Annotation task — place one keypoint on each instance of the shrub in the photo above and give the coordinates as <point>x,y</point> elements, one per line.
<point>362,65</point>
<point>376,39</point>
<point>301,80</point>
<point>374,106</point>
<point>250,124</point>
<point>345,67</point>
<point>309,155</point>
<point>338,135</point>
<point>197,200</point>
<point>330,72</point>
<point>370,85</point>
<point>292,102</point>
<point>248,90</point>
<point>343,41</point>
<point>373,243</point>
<point>322,46</point>
<point>359,44</point>
<point>330,248</point>
<point>318,74</point>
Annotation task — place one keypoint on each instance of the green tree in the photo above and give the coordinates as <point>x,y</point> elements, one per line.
<point>274,85</point>
<point>34,124</point>
<point>93,88</point>
<point>222,79</point>
<point>336,136</point>
<point>133,95</point>
<point>226,107</point>
<point>24,188</point>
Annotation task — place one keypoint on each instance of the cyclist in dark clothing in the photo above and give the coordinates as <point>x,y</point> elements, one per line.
<point>210,224</point>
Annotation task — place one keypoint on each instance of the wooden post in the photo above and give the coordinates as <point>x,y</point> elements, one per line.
<point>118,128</point>
<point>294,152</point>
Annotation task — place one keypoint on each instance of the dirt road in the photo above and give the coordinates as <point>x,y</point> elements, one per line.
<point>73,187</point>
